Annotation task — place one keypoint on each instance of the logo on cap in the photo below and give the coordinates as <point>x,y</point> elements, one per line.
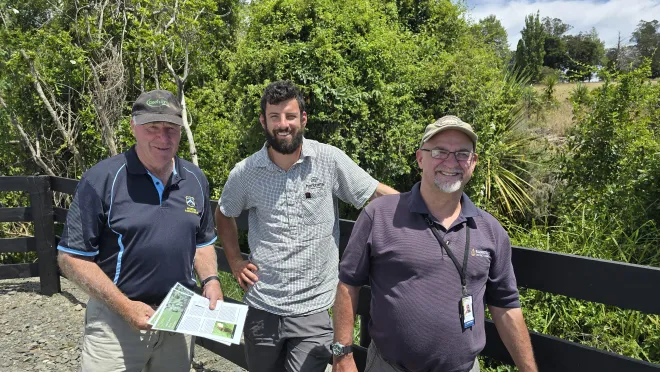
<point>157,102</point>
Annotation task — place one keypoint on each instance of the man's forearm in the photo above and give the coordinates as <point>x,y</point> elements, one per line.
<point>228,234</point>
<point>89,276</point>
<point>383,189</point>
<point>511,327</point>
<point>206,262</point>
<point>343,312</point>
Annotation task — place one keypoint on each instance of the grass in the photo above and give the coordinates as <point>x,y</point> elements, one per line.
<point>230,287</point>
<point>555,121</point>
<point>631,333</point>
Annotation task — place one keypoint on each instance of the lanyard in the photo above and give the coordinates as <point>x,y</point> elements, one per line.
<point>462,272</point>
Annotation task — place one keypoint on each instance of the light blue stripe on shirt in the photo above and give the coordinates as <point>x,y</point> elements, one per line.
<point>76,252</point>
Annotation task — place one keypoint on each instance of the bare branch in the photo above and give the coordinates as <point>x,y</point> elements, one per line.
<point>26,140</point>
<point>185,65</point>
<point>141,69</point>
<point>108,92</point>
<point>173,19</point>
<point>100,27</point>
<point>70,143</point>
<point>189,133</point>
<point>155,66</point>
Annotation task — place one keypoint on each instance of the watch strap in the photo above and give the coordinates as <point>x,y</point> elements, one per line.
<point>209,278</point>
<point>347,349</point>
<point>343,349</point>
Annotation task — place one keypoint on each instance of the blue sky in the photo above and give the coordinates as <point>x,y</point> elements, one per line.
<point>609,17</point>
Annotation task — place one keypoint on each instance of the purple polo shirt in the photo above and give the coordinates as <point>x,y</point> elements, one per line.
<point>415,286</point>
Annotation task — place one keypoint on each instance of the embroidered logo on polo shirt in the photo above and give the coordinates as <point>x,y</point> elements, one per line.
<point>315,183</point>
<point>480,253</point>
<point>190,202</point>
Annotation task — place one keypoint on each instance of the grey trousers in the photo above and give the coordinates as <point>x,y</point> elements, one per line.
<point>110,344</point>
<point>276,343</point>
<point>376,363</point>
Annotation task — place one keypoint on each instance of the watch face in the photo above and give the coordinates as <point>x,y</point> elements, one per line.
<point>337,349</point>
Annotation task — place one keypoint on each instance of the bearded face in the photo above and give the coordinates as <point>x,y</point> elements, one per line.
<point>284,124</point>
<point>285,141</point>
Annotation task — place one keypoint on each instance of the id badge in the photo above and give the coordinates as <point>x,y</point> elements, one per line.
<point>467,312</point>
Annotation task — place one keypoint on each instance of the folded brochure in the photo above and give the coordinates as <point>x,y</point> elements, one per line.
<point>184,311</point>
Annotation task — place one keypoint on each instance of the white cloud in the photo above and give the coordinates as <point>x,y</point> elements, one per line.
<point>609,17</point>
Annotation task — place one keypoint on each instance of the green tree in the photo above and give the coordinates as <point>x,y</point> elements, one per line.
<point>585,52</point>
<point>647,41</point>
<point>530,50</point>
<point>493,33</point>
<point>554,45</point>
<point>555,26</point>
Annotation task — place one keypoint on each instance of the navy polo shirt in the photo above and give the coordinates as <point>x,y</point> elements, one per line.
<point>142,234</point>
<point>415,286</point>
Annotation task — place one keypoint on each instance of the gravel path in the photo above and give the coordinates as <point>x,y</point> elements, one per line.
<point>41,333</point>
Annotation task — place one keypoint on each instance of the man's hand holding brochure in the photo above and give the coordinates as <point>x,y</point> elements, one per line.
<point>184,311</point>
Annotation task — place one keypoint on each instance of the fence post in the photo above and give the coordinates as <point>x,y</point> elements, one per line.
<point>41,202</point>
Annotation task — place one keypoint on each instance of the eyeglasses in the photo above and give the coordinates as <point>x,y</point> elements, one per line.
<point>444,154</point>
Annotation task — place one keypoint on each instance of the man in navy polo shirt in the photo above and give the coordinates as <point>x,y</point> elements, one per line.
<point>139,223</point>
<point>432,258</point>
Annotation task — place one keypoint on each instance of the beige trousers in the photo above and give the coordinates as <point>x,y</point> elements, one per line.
<point>111,344</point>
<point>376,363</point>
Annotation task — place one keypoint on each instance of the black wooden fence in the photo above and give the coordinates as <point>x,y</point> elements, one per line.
<point>624,285</point>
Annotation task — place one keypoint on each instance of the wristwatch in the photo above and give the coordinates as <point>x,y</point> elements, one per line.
<point>208,279</point>
<point>339,349</point>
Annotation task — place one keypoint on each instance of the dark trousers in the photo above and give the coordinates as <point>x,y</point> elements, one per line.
<point>275,343</point>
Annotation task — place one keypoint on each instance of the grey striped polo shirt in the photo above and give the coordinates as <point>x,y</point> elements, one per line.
<point>293,224</point>
<point>415,286</point>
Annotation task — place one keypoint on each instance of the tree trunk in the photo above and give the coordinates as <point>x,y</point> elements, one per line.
<point>26,140</point>
<point>186,126</point>
<point>67,134</point>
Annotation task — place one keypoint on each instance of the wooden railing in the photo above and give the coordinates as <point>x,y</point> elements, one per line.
<point>623,285</point>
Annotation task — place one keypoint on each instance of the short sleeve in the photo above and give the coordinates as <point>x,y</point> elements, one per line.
<point>352,184</point>
<point>233,199</point>
<point>354,265</point>
<point>206,232</point>
<point>84,222</point>
<point>502,289</point>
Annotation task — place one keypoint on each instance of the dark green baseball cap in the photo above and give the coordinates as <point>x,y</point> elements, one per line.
<point>157,106</point>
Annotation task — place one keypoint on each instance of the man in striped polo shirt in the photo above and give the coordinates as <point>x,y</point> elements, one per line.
<point>290,188</point>
<point>432,259</point>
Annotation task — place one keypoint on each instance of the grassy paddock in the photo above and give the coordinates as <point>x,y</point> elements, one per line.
<point>557,120</point>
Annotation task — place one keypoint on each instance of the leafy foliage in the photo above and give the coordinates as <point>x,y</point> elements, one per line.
<point>647,42</point>
<point>584,50</point>
<point>494,34</point>
<point>615,150</point>
<point>374,73</point>
<point>530,51</point>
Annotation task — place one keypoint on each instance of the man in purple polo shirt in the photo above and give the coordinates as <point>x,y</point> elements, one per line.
<point>432,258</point>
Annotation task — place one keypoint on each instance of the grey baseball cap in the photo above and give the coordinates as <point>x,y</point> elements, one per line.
<point>448,122</point>
<point>157,105</point>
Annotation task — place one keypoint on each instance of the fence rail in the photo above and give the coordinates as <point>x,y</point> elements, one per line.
<point>612,283</point>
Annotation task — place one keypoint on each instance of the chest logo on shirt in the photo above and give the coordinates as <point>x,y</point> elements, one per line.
<point>314,183</point>
<point>190,202</point>
<point>480,253</point>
